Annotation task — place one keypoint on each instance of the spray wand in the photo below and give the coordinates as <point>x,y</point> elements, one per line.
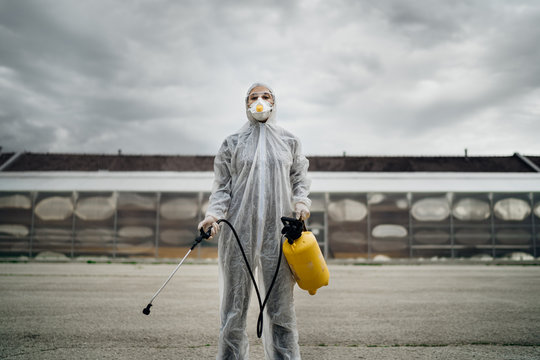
<point>198,239</point>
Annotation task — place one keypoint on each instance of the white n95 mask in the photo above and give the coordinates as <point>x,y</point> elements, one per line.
<point>260,110</point>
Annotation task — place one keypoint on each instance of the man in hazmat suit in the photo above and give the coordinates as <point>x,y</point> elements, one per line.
<point>260,175</point>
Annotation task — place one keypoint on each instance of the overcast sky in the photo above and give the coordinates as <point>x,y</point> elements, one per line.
<point>361,77</point>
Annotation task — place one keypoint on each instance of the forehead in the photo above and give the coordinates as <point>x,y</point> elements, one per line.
<point>259,89</point>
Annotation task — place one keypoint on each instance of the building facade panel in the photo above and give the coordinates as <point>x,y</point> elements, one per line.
<point>354,215</point>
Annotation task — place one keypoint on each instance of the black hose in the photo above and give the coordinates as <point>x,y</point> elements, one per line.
<point>262,304</point>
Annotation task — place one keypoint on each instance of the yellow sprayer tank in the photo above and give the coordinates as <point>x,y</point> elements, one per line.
<point>307,262</point>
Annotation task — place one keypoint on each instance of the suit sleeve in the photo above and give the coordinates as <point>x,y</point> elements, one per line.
<point>300,182</point>
<point>221,189</point>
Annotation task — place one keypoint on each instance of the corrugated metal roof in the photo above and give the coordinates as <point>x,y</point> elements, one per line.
<point>420,163</point>
<point>96,162</point>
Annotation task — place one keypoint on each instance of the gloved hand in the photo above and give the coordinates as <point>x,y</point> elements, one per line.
<point>302,211</point>
<point>209,221</point>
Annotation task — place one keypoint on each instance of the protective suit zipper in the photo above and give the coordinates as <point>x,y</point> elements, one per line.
<point>262,179</point>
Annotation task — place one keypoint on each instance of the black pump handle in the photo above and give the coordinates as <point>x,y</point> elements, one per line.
<point>285,220</point>
<point>292,228</point>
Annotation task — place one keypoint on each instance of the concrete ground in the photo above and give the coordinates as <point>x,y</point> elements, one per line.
<point>93,311</point>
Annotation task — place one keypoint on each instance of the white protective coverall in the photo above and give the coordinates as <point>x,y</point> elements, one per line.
<point>260,174</point>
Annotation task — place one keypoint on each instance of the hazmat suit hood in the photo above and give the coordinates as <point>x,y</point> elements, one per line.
<point>272,118</point>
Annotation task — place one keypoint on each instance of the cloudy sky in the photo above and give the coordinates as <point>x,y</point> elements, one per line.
<point>361,77</point>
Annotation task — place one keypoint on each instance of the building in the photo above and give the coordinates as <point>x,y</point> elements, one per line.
<point>363,206</point>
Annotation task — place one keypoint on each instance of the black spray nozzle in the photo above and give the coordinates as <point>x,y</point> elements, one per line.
<point>203,235</point>
<point>146,310</point>
<point>292,228</point>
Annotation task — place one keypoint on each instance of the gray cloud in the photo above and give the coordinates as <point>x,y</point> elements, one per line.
<point>387,77</point>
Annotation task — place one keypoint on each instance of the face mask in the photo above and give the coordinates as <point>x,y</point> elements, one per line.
<point>260,110</point>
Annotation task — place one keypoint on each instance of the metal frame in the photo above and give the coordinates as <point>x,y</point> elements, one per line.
<point>533,226</point>
<point>326,197</point>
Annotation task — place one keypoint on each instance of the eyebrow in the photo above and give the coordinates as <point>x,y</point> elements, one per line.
<point>261,94</point>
